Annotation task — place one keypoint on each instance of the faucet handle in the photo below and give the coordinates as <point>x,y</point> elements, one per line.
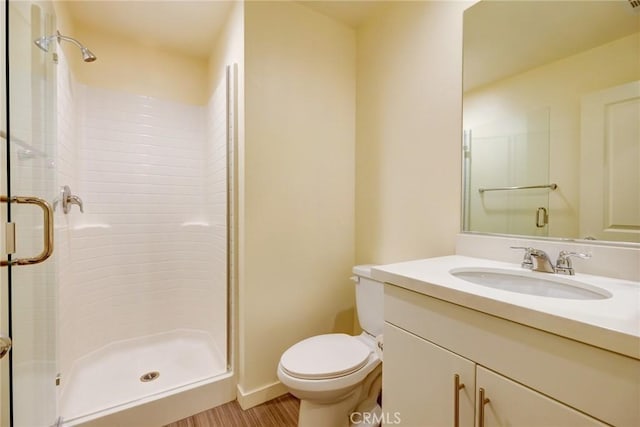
<point>75,200</point>
<point>67,199</point>
<point>563,264</point>
<point>527,262</point>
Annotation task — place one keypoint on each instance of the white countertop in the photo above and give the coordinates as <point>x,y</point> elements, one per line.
<point>612,323</point>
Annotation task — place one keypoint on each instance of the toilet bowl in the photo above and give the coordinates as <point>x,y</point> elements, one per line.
<point>337,375</point>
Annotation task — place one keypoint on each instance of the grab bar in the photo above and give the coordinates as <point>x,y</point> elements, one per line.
<point>525,187</point>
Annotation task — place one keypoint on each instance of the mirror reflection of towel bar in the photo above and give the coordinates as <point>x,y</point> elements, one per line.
<point>526,187</point>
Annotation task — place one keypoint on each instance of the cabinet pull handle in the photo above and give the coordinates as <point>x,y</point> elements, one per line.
<point>481,402</point>
<point>457,386</point>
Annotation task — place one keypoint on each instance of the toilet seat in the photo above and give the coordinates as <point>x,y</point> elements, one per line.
<point>325,356</point>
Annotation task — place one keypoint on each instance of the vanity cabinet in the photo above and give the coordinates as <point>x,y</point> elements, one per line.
<point>511,404</point>
<point>418,382</point>
<point>530,377</point>
<point>427,385</point>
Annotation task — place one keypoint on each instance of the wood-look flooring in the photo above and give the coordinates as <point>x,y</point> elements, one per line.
<point>279,412</point>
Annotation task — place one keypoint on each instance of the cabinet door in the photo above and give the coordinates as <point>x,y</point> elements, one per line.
<point>418,382</point>
<point>511,404</point>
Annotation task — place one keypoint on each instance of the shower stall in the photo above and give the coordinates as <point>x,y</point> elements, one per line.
<point>129,320</point>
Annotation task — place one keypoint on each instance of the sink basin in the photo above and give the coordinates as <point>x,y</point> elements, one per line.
<point>531,283</point>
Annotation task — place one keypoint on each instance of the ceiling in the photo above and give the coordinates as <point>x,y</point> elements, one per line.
<point>351,13</point>
<point>187,26</point>
<point>525,34</point>
<point>504,38</point>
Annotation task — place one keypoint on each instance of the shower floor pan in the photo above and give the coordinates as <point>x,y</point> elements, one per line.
<point>125,373</point>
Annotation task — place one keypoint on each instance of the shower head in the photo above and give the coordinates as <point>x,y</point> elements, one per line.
<point>87,55</point>
<point>45,42</point>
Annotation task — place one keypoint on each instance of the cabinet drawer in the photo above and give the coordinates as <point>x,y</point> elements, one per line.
<point>592,380</point>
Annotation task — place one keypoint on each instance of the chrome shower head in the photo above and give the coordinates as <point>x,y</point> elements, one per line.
<point>87,55</point>
<point>45,42</point>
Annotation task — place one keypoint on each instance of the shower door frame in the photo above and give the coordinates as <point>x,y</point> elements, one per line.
<point>28,295</point>
<point>5,364</point>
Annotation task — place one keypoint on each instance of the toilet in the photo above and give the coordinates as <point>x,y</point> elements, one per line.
<point>338,377</point>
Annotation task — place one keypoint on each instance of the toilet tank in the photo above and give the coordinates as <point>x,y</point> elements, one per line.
<point>369,300</point>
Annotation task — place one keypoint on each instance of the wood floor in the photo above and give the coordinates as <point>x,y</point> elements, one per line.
<point>279,412</point>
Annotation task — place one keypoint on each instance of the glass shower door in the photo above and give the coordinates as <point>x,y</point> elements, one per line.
<point>499,156</point>
<point>29,290</point>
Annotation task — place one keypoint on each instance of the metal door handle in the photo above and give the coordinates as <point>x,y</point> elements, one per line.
<point>5,345</point>
<point>542,217</point>
<point>47,225</point>
<point>482,400</point>
<point>457,386</point>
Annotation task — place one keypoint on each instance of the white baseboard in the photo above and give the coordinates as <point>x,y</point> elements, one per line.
<point>249,399</point>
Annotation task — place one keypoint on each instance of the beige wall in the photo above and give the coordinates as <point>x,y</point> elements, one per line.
<point>297,210</point>
<point>229,50</point>
<point>408,132</point>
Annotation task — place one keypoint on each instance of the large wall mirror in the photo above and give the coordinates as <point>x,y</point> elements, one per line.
<point>551,118</point>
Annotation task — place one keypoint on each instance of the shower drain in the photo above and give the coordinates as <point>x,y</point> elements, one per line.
<point>149,376</point>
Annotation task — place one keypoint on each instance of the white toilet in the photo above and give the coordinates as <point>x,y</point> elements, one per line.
<point>338,377</point>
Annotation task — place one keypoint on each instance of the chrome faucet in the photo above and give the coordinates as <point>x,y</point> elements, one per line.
<point>536,260</point>
<point>527,262</point>
<point>563,264</point>
<point>541,261</point>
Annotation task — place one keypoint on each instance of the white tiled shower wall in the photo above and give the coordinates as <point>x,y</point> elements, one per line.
<point>149,253</point>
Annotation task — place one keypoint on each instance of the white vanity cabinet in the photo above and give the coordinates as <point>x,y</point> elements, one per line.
<point>418,382</point>
<point>531,377</point>
<point>511,404</point>
<point>427,385</point>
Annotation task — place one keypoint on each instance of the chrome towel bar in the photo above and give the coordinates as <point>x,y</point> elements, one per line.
<point>525,187</point>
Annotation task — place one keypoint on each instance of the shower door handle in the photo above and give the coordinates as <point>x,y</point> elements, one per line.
<point>542,217</point>
<point>5,345</point>
<point>47,226</point>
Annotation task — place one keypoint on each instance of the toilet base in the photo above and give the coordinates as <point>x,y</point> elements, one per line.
<point>341,413</point>
<point>335,414</point>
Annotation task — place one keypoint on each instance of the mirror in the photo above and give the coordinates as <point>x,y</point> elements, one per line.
<point>551,113</point>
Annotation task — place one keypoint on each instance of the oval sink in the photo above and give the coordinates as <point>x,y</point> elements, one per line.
<point>531,283</point>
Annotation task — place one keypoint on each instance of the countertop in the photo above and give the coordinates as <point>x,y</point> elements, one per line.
<point>612,324</point>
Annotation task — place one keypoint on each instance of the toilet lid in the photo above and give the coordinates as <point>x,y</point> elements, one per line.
<point>325,356</point>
